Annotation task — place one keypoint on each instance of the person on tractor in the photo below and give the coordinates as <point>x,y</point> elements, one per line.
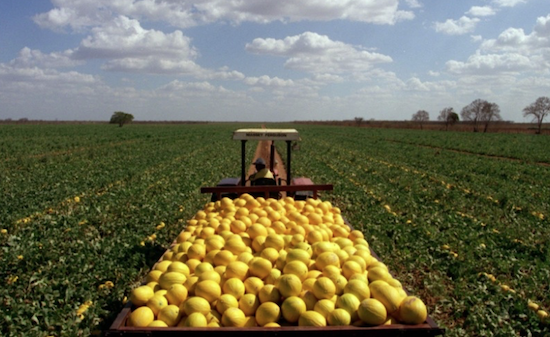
<point>262,172</point>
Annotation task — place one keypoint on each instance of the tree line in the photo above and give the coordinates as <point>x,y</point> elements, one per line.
<point>481,113</point>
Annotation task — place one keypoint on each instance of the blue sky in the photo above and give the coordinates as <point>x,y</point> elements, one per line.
<point>260,60</point>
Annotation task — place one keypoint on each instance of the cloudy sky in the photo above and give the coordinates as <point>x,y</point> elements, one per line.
<point>270,60</point>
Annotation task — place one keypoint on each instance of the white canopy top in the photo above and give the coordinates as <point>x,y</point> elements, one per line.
<point>266,134</point>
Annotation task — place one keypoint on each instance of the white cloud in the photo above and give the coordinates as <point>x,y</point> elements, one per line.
<point>266,81</point>
<point>189,88</point>
<point>535,44</point>
<point>130,48</point>
<point>152,65</point>
<point>461,26</point>
<point>35,58</point>
<point>314,53</point>
<point>501,66</point>
<point>542,26</point>
<point>28,90</point>
<point>372,11</point>
<point>510,39</point>
<point>327,78</point>
<point>476,38</point>
<point>508,3</point>
<point>416,85</point>
<point>35,75</point>
<point>491,64</point>
<point>81,14</point>
<point>413,3</point>
<point>481,11</point>
<point>221,74</point>
<point>75,14</point>
<point>124,37</point>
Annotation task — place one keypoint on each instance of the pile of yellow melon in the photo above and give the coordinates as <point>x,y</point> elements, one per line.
<point>261,262</point>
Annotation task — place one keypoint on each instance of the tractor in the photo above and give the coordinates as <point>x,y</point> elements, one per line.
<point>300,188</point>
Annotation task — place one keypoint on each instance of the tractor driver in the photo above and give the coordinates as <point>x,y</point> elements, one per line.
<point>261,171</point>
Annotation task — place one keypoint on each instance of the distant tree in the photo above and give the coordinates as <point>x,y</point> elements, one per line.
<point>358,121</point>
<point>448,116</point>
<point>481,112</point>
<point>538,110</point>
<point>121,118</point>
<point>472,112</point>
<point>489,113</point>
<point>421,116</point>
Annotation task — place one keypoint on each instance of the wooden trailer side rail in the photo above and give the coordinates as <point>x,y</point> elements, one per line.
<point>218,190</point>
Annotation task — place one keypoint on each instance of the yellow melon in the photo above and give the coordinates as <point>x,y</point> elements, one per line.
<point>372,312</point>
<point>209,290</point>
<point>223,258</point>
<point>326,259</point>
<point>339,317</point>
<point>378,273</point>
<point>253,285</point>
<point>237,269</point>
<point>250,322</point>
<point>260,267</point>
<point>412,311</point>
<point>202,268</point>
<point>196,304</point>
<point>177,293</point>
<point>324,307</point>
<point>388,295</point>
<point>312,318</point>
<point>350,303</point>
<point>141,295</point>
<point>157,324</point>
<point>180,267</point>
<point>162,265</point>
<point>297,268</point>
<point>359,288</point>
<point>233,317</point>
<point>225,302</point>
<point>248,303</point>
<point>267,312</point>
<point>235,287</point>
<point>196,251</point>
<point>292,308</point>
<point>212,275</point>
<point>170,315</point>
<point>171,277</point>
<point>289,285</point>
<point>309,299</point>
<point>156,303</point>
<point>324,288</point>
<point>141,317</point>
<point>350,268</point>
<point>196,320</point>
<point>269,293</point>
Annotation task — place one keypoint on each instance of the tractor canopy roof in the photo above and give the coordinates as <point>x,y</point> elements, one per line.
<point>266,134</point>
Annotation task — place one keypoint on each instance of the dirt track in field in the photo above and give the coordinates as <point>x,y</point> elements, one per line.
<point>263,151</point>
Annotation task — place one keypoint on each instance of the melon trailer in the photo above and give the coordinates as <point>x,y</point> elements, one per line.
<point>298,188</point>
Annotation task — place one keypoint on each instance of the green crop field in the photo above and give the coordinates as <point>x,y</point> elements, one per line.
<point>461,219</point>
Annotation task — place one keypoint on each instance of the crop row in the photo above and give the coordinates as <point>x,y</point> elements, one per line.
<point>70,255</point>
<point>444,232</point>
<point>513,146</point>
